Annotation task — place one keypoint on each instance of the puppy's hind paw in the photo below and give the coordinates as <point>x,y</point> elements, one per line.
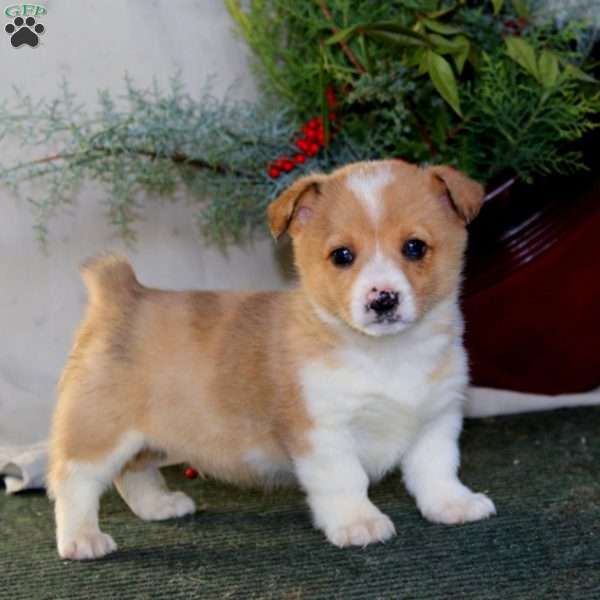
<point>87,546</point>
<point>160,507</point>
<point>362,532</point>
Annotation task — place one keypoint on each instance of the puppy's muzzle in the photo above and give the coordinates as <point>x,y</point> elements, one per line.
<point>383,302</point>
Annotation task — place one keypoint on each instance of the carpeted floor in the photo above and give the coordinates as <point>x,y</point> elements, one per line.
<point>543,472</point>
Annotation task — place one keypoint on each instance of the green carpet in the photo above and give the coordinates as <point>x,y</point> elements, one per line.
<point>543,472</point>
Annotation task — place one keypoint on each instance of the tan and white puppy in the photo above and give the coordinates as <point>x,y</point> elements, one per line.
<point>357,371</point>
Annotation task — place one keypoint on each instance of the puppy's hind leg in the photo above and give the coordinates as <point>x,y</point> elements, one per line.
<point>146,493</point>
<point>76,487</point>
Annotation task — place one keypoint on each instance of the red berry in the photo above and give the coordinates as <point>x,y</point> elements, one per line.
<point>312,124</point>
<point>287,165</point>
<point>303,144</point>
<point>330,95</point>
<point>274,172</point>
<point>311,134</point>
<point>191,473</point>
<point>299,158</point>
<point>313,149</point>
<point>332,116</point>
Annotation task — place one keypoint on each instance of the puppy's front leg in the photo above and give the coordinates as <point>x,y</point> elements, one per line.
<point>431,475</point>
<point>336,485</point>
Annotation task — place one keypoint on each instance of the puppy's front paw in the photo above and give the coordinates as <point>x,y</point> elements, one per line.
<point>362,531</point>
<point>87,546</point>
<point>458,506</point>
<point>159,507</point>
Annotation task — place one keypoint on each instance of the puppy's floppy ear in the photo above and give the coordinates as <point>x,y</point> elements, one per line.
<point>464,194</point>
<point>286,208</point>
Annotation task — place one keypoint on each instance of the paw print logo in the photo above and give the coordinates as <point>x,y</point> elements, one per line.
<point>24,32</point>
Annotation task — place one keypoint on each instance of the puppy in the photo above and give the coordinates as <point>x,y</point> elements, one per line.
<point>357,371</point>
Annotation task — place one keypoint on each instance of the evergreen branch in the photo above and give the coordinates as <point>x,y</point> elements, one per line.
<point>219,150</point>
<point>345,48</point>
<point>177,158</point>
<point>422,129</point>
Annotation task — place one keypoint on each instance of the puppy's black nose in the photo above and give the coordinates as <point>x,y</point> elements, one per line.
<point>384,302</point>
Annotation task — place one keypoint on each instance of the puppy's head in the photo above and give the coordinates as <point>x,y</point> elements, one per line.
<point>378,244</point>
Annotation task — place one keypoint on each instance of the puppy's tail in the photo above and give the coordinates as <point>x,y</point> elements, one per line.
<point>486,402</point>
<point>109,278</point>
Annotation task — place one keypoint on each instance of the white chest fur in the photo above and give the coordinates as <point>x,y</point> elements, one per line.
<point>382,391</point>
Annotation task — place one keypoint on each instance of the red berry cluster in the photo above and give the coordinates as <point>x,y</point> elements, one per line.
<point>515,28</point>
<point>309,143</point>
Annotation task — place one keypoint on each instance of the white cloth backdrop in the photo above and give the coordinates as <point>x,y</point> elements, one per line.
<point>92,43</point>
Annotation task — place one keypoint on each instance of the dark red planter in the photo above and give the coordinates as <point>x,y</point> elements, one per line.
<point>532,289</point>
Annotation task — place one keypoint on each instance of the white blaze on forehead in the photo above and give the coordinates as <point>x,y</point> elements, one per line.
<point>367,185</point>
<point>382,273</point>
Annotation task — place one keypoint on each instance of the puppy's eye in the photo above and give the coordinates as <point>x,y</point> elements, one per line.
<point>414,249</point>
<point>342,257</point>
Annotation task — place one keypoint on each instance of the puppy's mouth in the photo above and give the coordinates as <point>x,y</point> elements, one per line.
<point>388,319</point>
<point>384,325</point>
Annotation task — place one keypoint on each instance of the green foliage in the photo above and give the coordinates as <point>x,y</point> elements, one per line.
<point>151,141</point>
<point>520,125</point>
<point>297,42</point>
<point>433,72</point>
<point>467,84</point>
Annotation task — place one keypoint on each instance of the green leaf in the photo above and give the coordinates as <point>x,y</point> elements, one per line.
<point>454,44</point>
<point>461,55</point>
<point>393,27</point>
<point>523,53</point>
<point>521,8</point>
<point>443,79</point>
<point>459,47</point>
<point>342,35</point>
<point>439,124</point>
<point>442,28</point>
<point>474,58</point>
<point>366,60</point>
<point>572,72</point>
<point>548,68</point>
<point>441,44</point>
<point>425,5</point>
<point>393,39</point>
<point>441,12</point>
<point>414,56</point>
<point>424,62</point>
<point>497,4</point>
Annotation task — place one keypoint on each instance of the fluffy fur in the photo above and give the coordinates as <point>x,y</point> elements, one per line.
<point>309,386</point>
